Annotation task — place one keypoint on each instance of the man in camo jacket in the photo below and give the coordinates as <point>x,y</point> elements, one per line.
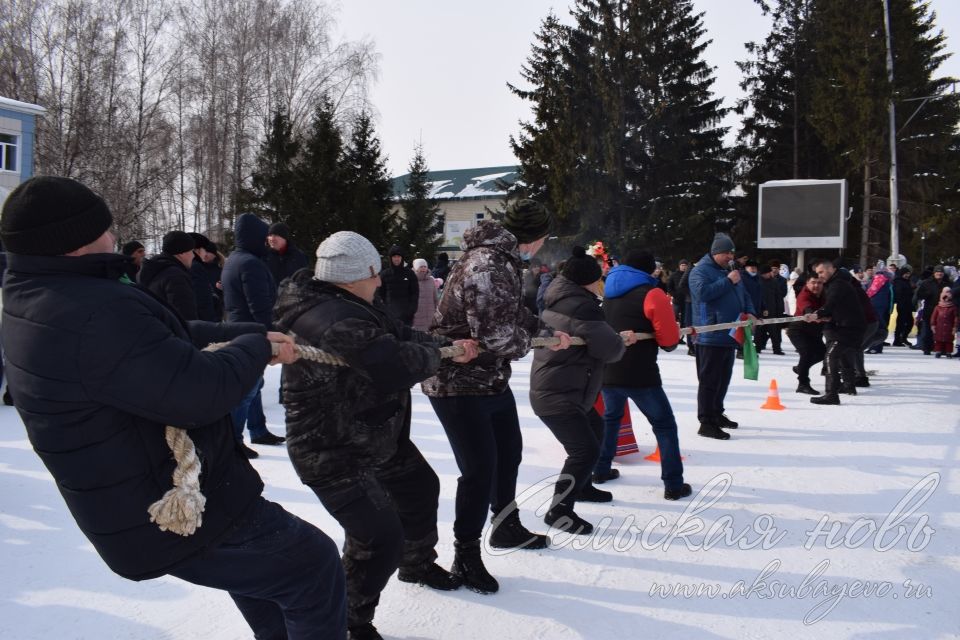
<point>483,300</point>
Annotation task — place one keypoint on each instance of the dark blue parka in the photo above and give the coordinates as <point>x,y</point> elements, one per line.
<point>715,299</point>
<point>98,369</point>
<point>249,291</point>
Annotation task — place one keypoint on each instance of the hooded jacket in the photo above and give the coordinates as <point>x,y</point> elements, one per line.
<point>284,264</point>
<point>482,299</point>
<point>169,280</point>
<point>99,368</point>
<point>342,418</point>
<point>400,289</point>
<point>714,300</point>
<point>248,288</point>
<point>568,381</point>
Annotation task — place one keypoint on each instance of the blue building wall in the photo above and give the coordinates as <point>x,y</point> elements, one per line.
<point>27,133</point>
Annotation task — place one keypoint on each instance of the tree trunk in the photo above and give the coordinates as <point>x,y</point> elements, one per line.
<point>865,228</point>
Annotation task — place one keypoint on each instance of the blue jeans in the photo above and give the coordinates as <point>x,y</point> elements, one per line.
<point>283,574</point>
<point>250,413</point>
<point>655,407</point>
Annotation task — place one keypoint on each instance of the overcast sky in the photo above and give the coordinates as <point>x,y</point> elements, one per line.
<point>444,66</point>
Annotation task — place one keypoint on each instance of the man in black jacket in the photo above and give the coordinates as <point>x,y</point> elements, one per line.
<point>903,299</point>
<point>248,294</point>
<point>204,251</point>
<point>843,331</point>
<point>349,427</point>
<point>99,367</point>
<point>167,274</point>
<point>284,257</point>
<point>400,289</point>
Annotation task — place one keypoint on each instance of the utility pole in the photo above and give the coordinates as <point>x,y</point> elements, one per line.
<point>894,204</point>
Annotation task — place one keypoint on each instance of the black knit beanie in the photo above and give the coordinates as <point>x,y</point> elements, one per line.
<point>51,216</point>
<point>201,241</point>
<point>527,220</point>
<point>129,248</point>
<point>175,242</point>
<point>581,268</point>
<point>279,229</point>
<point>642,260</point>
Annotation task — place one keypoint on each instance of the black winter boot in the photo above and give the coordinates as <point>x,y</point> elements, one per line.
<point>862,381</point>
<point>507,532</point>
<point>848,388</point>
<point>431,575</point>
<point>590,493</point>
<point>562,517</point>
<point>600,478</point>
<point>676,494</point>
<point>804,387</point>
<point>726,423</point>
<point>363,632</point>
<point>827,398</point>
<point>468,566</point>
<point>708,430</point>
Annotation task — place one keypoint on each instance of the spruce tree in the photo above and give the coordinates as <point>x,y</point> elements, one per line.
<point>367,188</point>
<point>319,180</point>
<point>273,194</point>
<point>420,230</point>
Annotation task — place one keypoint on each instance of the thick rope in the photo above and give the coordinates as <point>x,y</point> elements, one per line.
<point>180,510</point>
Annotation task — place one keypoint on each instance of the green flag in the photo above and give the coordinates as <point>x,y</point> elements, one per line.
<point>751,363</point>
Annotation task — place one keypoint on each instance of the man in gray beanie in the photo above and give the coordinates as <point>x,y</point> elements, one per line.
<point>717,296</point>
<point>99,368</point>
<point>348,427</point>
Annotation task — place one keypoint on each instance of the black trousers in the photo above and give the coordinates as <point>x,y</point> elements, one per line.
<point>580,434</point>
<point>389,518</point>
<point>484,433</point>
<point>773,332</point>
<point>904,324</point>
<point>841,357</point>
<point>283,573</point>
<point>811,350</point>
<point>714,370</point>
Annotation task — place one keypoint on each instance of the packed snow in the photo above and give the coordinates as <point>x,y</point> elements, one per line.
<point>820,522</point>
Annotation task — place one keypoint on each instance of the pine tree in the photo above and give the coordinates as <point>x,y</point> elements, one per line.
<point>367,189</point>
<point>419,232</point>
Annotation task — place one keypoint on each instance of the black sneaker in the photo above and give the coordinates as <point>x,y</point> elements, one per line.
<point>268,438</point>
<point>432,575</point>
<point>827,398</point>
<point>712,431</point>
<point>363,632</point>
<point>591,494</point>
<point>566,520</point>
<point>726,423</point>
<point>468,566</point>
<point>676,494</point>
<point>804,387</point>
<point>247,451</point>
<point>600,478</point>
<point>509,533</point>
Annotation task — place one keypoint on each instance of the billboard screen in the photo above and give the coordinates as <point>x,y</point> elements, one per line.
<point>797,214</point>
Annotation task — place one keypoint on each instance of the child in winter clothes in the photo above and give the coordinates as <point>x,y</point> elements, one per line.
<point>943,321</point>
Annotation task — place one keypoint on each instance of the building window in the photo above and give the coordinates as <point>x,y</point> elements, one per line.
<point>478,216</point>
<point>8,152</point>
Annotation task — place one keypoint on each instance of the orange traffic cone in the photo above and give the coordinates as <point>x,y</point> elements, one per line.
<point>655,456</point>
<point>773,398</point>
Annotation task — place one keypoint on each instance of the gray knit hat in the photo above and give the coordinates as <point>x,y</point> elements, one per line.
<point>346,256</point>
<point>721,244</point>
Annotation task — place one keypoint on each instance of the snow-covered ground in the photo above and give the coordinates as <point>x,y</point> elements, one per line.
<point>877,475</point>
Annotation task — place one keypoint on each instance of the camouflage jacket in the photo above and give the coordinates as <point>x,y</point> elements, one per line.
<point>482,299</point>
<point>341,419</point>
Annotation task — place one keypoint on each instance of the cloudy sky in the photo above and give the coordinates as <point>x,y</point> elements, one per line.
<point>445,63</point>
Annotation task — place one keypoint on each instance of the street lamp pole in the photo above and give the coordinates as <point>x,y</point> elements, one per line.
<point>894,197</point>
